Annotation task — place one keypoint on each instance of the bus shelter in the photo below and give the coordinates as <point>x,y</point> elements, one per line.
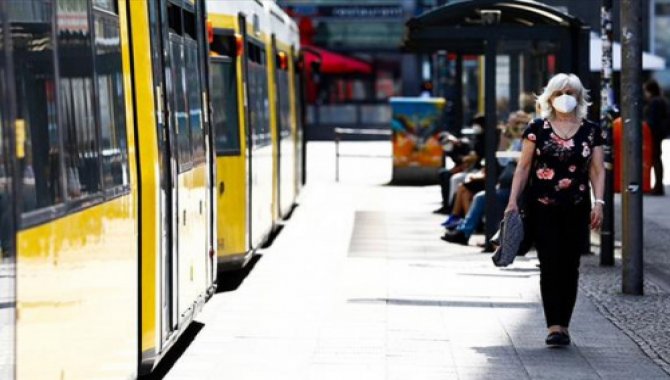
<point>538,39</point>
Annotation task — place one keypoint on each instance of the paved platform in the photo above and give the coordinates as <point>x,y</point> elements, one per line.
<point>359,286</point>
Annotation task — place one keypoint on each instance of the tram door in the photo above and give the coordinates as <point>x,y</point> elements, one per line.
<point>242,21</point>
<point>166,74</point>
<point>7,213</point>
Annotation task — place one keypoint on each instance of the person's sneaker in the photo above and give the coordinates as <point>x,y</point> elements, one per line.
<point>457,237</point>
<point>452,222</point>
<point>557,339</point>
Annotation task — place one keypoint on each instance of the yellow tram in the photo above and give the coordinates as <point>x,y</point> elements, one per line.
<point>254,82</point>
<point>106,184</point>
<point>131,135</point>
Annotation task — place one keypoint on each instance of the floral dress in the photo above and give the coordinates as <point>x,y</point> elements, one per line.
<point>560,170</point>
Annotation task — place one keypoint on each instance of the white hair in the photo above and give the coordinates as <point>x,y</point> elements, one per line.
<point>560,82</point>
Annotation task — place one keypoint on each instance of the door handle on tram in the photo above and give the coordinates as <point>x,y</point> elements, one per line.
<point>184,217</point>
<point>222,188</point>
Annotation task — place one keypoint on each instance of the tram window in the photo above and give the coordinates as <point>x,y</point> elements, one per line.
<point>174,19</point>
<point>223,46</point>
<point>38,152</point>
<point>111,101</point>
<point>189,24</point>
<point>264,100</point>
<point>77,116</point>
<point>179,104</point>
<point>194,101</point>
<point>283,96</point>
<point>108,5</point>
<point>224,106</point>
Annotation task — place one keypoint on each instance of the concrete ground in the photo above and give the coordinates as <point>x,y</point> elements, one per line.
<point>358,285</point>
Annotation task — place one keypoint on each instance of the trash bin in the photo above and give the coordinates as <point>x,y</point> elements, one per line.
<point>647,156</point>
<point>417,152</point>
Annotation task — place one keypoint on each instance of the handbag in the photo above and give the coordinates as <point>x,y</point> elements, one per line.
<point>511,236</point>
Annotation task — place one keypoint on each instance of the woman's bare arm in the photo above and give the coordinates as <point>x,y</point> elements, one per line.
<point>521,174</point>
<point>597,172</point>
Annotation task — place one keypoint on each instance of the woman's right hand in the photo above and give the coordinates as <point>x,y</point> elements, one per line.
<point>512,206</point>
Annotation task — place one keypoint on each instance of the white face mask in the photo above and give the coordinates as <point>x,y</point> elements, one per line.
<point>564,103</point>
<point>477,129</point>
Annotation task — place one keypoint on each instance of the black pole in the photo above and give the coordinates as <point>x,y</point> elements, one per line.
<point>606,116</point>
<point>458,104</point>
<point>631,66</point>
<point>490,140</point>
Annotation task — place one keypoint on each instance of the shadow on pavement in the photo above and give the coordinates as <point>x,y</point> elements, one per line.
<point>175,352</point>
<point>445,303</point>
<point>229,281</point>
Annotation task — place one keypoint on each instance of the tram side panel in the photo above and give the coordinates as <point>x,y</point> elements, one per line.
<point>77,244</point>
<point>283,38</point>
<point>227,91</point>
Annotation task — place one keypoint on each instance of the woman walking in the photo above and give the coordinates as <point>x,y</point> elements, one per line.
<point>561,153</point>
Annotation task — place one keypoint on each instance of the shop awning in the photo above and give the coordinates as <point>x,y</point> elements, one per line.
<point>334,63</point>
<point>650,61</point>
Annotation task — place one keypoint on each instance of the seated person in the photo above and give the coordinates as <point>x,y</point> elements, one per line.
<point>465,159</point>
<point>466,227</point>
<point>473,183</point>
<point>511,137</point>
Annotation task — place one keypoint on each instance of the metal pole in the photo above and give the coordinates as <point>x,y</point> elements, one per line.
<point>337,156</point>
<point>458,104</point>
<point>490,140</point>
<point>606,116</point>
<point>631,88</point>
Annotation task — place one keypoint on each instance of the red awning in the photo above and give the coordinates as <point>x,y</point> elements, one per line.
<point>334,63</point>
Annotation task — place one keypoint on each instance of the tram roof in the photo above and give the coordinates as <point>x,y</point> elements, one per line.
<point>464,25</point>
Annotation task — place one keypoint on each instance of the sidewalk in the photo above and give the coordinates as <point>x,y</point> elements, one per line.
<point>359,286</point>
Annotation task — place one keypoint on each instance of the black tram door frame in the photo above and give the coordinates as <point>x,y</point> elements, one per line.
<point>9,210</point>
<point>208,131</point>
<point>242,21</point>
<point>278,122</point>
<point>168,174</point>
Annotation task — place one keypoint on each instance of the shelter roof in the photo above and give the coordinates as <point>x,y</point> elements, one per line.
<point>483,12</point>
